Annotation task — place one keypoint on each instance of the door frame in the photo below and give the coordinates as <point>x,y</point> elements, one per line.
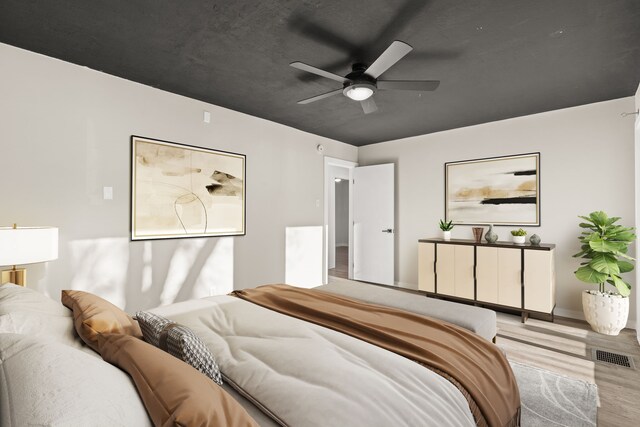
<point>329,180</point>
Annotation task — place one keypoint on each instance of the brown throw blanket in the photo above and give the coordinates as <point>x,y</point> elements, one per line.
<point>474,365</point>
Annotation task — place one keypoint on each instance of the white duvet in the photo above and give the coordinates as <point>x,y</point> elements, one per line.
<point>308,375</point>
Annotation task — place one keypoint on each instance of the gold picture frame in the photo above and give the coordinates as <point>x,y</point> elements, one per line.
<point>182,191</point>
<point>495,190</point>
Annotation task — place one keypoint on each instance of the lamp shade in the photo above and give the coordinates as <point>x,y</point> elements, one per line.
<point>28,245</point>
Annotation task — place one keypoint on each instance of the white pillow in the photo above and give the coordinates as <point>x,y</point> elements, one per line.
<point>29,312</point>
<point>44,382</point>
<point>19,298</point>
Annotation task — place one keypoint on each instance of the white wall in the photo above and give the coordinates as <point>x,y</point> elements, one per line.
<point>587,164</point>
<point>64,134</point>
<point>342,213</point>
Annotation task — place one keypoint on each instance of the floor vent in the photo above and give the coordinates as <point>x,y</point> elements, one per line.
<point>613,358</point>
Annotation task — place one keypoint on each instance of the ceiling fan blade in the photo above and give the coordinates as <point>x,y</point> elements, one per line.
<point>311,69</point>
<point>389,57</point>
<point>419,85</point>
<point>369,105</point>
<point>319,97</point>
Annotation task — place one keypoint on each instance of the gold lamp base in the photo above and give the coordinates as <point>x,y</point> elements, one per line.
<point>15,275</point>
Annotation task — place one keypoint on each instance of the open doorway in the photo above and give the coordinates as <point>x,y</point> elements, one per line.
<point>370,254</point>
<point>340,265</point>
<point>338,205</point>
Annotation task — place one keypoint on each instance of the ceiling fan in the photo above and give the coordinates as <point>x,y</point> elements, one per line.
<point>362,82</point>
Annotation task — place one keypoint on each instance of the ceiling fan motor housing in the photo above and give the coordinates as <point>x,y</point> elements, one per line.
<point>358,79</point>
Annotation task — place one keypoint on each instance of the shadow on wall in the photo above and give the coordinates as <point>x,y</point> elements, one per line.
<point>141,275</point>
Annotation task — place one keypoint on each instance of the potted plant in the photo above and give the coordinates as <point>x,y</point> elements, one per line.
<point>446,227</point>
<point>604,251</point>
<point>518,236</point>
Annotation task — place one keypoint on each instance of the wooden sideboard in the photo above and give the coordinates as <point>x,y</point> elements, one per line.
<point>499,275</point>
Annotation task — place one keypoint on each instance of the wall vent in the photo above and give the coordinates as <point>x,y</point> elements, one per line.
<point>613,358</point>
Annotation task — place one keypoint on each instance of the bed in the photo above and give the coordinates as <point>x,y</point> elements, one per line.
<point>283,368</point>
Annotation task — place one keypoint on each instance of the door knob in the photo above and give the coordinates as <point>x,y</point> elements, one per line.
<point>388,230</point>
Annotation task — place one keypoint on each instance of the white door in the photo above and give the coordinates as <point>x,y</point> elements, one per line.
<point>373,224</point>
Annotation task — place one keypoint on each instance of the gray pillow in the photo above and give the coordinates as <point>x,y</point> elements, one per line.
<point>179,341</point>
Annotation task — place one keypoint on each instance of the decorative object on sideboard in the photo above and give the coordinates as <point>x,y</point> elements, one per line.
<point>491,237</point>
<point>25,245</point>
<point>446,227</point>
<point>518,236</point>
<point>498,190</point>
<point>535,240</point>
<point>477,233</point>
<point>180,191</point>
<point>604,253</point>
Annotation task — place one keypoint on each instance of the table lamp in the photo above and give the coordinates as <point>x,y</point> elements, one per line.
<point>25,245</point>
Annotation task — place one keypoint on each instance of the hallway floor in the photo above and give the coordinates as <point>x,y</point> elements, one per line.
<point>342,263</point>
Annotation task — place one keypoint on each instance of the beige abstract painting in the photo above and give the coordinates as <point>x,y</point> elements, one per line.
<point>499,190</point>
<point>183,191</point>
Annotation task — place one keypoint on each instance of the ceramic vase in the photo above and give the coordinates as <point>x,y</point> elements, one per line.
<point>518,240</point>
<point>477,233</point>
<point>491,237</point>
<point>606,313</point>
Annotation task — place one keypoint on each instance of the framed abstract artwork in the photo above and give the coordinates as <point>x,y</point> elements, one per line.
<point>497,190</point>
<point>182,191</point>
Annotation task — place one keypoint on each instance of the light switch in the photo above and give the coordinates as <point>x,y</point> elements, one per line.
<point>206,117</point>
<point>107,193</point>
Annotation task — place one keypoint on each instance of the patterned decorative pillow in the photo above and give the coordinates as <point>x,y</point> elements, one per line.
<point>179,341</point>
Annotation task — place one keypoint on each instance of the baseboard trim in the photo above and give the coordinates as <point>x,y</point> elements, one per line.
<point>579,315</point>
<point>562,312</point>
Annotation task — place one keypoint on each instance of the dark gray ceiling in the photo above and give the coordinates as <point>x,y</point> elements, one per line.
<point>496,58</point>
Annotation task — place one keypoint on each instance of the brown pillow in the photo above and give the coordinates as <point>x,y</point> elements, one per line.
<point>92,316</point>
<point>174,393</point>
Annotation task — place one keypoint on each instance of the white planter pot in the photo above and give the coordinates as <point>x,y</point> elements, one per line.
<point>607,314</point>
<point>446,235</point>
<point>518,240</point>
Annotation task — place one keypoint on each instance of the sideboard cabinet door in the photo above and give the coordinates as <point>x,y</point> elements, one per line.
<point>539,281</point>
<point>426,265</point>
<point>464,272</point>
<point>510,277</point>
<point>455,270</point>
<point>446,269</point>
<point>487,274</point>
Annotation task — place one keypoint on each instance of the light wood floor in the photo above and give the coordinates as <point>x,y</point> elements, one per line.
<point>565,347</point>
<point>342,263</point>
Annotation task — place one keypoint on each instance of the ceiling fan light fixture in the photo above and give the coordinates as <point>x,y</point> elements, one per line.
<point>359,92</point>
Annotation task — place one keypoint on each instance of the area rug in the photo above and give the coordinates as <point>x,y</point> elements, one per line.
<point>549,399</point>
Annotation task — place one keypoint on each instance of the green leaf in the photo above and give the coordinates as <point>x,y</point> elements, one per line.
<point>623,287</point>
<point>586,218</point>
<point>612,220</point>
<point>606,246</point>
<point>589,275</point>
<point>592,237</point>
<point>586,225</point>
<point>580,254</point>
<point>605,263</point>
<point>625,266</point>
<point>599,218</point>
<point>623,255</point>
<point>624,236</point>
